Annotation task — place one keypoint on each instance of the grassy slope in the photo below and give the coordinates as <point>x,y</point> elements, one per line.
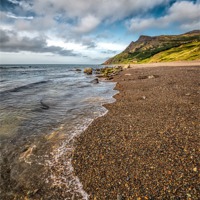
<point>185,52</point>
<point>160,49</point>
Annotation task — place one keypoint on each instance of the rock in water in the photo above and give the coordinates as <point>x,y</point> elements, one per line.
<point>95,81</point>
<point>88,71</point>
<point>44,106</point>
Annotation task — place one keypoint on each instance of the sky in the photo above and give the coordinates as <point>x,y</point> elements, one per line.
<point>86,31</point>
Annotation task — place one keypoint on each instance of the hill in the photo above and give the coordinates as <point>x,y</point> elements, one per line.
<point>164,48</point>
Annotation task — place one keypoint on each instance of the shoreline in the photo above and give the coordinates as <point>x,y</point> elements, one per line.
<point>137,150</point>
<point>36,160</point>
<point>161,64</point>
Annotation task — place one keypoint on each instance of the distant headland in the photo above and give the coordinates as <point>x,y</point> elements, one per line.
<point>163,48</point>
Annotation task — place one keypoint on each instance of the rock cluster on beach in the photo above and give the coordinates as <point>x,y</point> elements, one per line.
<point>88,71</point>
<point>106,72</point>
<point>146,146</point>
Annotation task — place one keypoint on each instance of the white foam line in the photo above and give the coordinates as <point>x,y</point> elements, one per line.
<point>60,161</point>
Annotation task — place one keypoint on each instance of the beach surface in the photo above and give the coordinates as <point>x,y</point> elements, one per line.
<point>147,145</point>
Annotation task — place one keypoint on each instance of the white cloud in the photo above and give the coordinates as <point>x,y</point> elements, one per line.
<point>77,47</point>
<point>87,24</point>
<point>11,15</point>
<point>38,24</point>
<point>184,14</point>
<point>139,24</point>
<point>111,46</point>
<point>89,14</point>
<point>70,19</point>
<point>184,10</point>
<point>80,8</point>
<point>13,1</point>
<point>45,58</point>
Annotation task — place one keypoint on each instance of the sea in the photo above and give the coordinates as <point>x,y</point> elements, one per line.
<point>43,109</point>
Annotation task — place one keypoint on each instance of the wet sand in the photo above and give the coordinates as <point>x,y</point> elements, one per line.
<point>147,145</point>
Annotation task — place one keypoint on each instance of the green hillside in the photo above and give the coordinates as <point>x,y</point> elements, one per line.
<point>164,48</point>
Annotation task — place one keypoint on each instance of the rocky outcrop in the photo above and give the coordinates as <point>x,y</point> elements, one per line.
<point>88,71</point>
<point>108,72</point>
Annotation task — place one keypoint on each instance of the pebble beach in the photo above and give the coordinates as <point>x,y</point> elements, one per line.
<point>147,145</point>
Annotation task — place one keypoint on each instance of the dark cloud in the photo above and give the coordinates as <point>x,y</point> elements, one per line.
<point>3,37</point>
<point>89,43</point>
<point>104,35</point>
<point>16,6</point>
<point>6,5</point>
<point>11,42</point>
<point>92,45</point>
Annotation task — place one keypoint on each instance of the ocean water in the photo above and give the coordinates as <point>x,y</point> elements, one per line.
<point>43,108</point>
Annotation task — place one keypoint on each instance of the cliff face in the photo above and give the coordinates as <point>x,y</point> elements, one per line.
<point>160,49</point>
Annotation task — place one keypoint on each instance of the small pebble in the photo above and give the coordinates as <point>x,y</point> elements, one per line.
<point>144,97</point>
<point>195,169</point>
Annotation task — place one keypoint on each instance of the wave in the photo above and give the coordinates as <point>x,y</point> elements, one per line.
<point>23,87</point>
<point>14,67</point>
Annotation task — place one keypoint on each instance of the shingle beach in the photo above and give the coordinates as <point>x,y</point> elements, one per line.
<point>147,145</point>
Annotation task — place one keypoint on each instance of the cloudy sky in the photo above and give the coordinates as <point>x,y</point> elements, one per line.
<point>86,31</point>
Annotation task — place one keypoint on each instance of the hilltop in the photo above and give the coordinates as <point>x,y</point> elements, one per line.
<point>164,48</point>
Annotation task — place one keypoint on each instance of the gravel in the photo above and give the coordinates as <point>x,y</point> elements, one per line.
<point>147,145</point>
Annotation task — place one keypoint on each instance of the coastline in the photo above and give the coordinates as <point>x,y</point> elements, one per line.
<point>162,64</point>
<point>36,159</point>
<point>146,146</point>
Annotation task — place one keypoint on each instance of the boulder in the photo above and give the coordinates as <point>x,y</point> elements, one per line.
<point>88,71</point>
<point>95,81</point>
<point>126,66</point>
<point>44,105</point>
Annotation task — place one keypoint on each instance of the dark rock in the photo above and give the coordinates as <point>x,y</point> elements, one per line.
<point>145,38</point>
<point>153,76</point>
<point>95,81</point>
<point>109,78</point>
<point>44,106</point>
<point>78,70</point>
<point>148,77</point>
<point>97,70</point>
<point>142,77</point>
